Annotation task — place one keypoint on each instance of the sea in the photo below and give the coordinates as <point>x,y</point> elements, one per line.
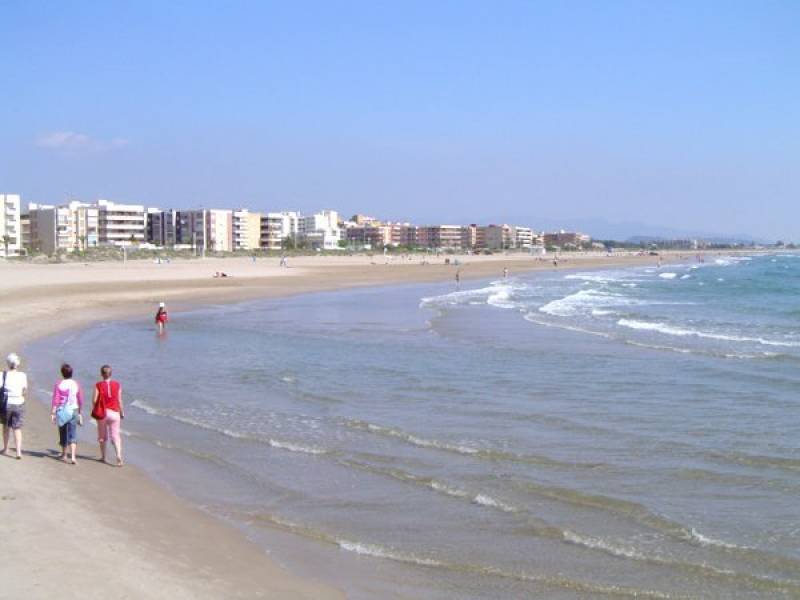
<point>618,433</point>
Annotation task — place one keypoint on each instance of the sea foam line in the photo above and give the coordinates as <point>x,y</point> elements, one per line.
<point>682,332</point>
<point>273,443</point>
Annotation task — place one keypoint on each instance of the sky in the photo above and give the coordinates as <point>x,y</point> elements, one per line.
<point>676,115</point>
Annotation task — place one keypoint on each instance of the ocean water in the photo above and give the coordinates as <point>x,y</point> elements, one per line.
<point>619,433</point>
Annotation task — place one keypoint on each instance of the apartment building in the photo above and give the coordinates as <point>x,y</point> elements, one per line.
<point>564,239</point>
<point>469,236</point>
<point>162,227</point>
<point>498,237</point>
<point>321,230</point>
<point>402,234</point>
<point>524,237</point>
<point>439,236</point>
<point>73,226</point>
<point>246,230</point>
<point>121,224</point>
<point>10,225</point>
<point>278,226</point>
<point>208,229</point>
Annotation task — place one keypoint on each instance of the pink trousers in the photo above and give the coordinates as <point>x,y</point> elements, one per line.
<point>108,428</point>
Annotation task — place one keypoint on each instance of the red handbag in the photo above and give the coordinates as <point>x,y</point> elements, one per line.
<point>99,408</point>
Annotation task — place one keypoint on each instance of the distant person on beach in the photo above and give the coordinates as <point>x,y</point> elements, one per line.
<point>505,272</point>
<point>161,317</point>
<point>458,279</point>
<point>66,412</point>
<point>107,401</point>
<point>555,262</point>
<point>283,261</point>
<point>15,386</point>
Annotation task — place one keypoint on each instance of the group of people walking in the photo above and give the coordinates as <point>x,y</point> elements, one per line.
<point>66,410</point>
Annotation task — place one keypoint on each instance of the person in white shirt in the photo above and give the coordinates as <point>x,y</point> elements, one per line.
<point>15,383</point>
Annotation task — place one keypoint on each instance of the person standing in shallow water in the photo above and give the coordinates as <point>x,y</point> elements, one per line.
<point>161,317</point>
<point>67,394</point>
<point>108,394</point>
<point>15,383</point>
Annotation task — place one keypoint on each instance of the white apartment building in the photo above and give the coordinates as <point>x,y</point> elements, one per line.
<point>10,225</point>
<point>121,224</point>
<point>524,237</point>
<point>321,230</point>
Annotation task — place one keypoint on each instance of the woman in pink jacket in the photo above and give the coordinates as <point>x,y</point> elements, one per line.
<point>66,412</point>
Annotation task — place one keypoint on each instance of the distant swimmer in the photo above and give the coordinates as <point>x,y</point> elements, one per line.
<point>161,317</point>
<point>458,279</point>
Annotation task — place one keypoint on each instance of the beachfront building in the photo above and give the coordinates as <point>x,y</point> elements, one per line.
<point>498,237</point>
<point>246,230</point>
<point>25,228</point>
<point>524,237</point>
<point>72,226</point>
<point>320,231</point>
<point>277,227</point>
<point>372,235</point>
<point>565,239</point>
<point>439,237</point>
<point>402,234</point>
<point>10,225</point>
<point>469,236</point>
<point>205,229</point>
<point>162,227</point>
<point>121,224</point>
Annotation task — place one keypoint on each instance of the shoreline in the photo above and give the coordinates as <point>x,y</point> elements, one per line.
<point>168,547</point>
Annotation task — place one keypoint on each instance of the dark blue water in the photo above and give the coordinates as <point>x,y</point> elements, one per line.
<point>626,433</point>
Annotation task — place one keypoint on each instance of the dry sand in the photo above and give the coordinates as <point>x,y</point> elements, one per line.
<point>92,530</point>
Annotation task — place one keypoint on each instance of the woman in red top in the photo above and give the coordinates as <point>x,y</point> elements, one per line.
<point>109,394</point>
<point>161,317</point>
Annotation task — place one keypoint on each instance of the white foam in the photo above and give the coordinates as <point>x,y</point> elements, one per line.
<point>584,301</point>
<point>668,275</point>
<point>422,442</point>
<point>592,278</point>
<point>295,447</point>
<point>501,298</point>
<point>485,500</point>
<point>496,291</point>
<point>687,276</point>
<point>707,541</point>
<point>599,544</point>
<point>681,332</point>
<point>379,552</point>
<point>446,489</point>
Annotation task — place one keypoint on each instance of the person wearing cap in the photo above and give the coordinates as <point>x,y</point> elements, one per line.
<point>15,383</point>
<point>161,317</point>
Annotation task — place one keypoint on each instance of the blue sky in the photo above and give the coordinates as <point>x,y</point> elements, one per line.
<point>680,114</point>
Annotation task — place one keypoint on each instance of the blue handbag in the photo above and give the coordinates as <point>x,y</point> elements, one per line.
<point>64,415</point>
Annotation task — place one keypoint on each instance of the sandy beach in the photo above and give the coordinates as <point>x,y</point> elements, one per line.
<point>63,520</point>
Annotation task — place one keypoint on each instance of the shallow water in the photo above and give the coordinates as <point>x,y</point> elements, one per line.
<point>625,433</point>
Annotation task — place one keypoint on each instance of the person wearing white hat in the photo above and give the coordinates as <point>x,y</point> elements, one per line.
<point>161,317</point>
<point>15,387</point>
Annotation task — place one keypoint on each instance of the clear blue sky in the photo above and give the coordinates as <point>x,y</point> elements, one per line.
<point>682,114</point>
